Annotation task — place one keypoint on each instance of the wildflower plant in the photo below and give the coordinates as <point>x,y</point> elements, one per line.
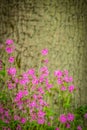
<point>26,98</point>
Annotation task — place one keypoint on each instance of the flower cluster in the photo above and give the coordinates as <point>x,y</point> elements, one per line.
<point>66,119</point>
<point>29,89</point>
<point>4,114</point>
<point>62,78</point>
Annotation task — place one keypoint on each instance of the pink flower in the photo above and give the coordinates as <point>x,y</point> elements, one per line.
<point>41,90</point>
<point>58,73</point>
<point>49,124</point>
<point>41,78</point>
<point>25,75</point>
<point>6,121</point>
<point>16,117</point>
<point>49,86</point>
<point>35,81</point>
<point>71,88</point>
<point>31,71</point>
<point>11,59</point>
<point>33,104</point>
<point>11,71</point>
<point>44,52</point>
<point>5,128</point>
<point>23,120</point>
<point>57,128</point>
<point>16,80</point>
<point>35,96</point>
<point>11,85</point>
<point>85,116</point>
<point>79,127</point>
<point>63,118</point>
<point>66,72</point>
<point>23,81</point>
<point>25,92</point>
<point>41,102</point>
<point>18,96</point>
<point>66,79</point>
<point>1,110</point>
<point>70,79</point>
<point>46,61</point>
<point>33,116</point>
<point>9,41</point>
<point>41,114</point>
<point>10,50</point>
<point>51,117</point>
<point>59,81</point>
<point>63,88</point>
<point>18,127</point>
<point>67,125</point>
<point>44,69</point>
<point>7,113</point>
<point>8,129</point>
<point>40,120</point>
<point>70,117</point>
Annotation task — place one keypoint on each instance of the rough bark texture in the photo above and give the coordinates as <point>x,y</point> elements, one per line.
<point>59,25</point>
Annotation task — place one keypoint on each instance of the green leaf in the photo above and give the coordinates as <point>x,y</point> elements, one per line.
<point>24,98</point>
<point>49,112</point>
<point>2,72</point>
<point>3,97</point>
<point>66,105</point>
<point>2,123</point>
<point>65,84</point>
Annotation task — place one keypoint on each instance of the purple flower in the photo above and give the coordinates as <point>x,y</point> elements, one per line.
<point>57,128</point>
<point>58,73</point>
<point>41,114</point>
<point>71,88</point>
<point>63,88</point>
<point>16,117</point>
<point>18,127</point>
<point>66,79</point>
<point>41,120</point>
<point>66,72</point>
<point>11,71</point>
<point>1,110</point>
<point>33,104</point>
<point>46,61</point>
<point>31,72</point>
<point>44,71</point>
<point>23,120</point>
<point>34,81</point>
<point>67,125</point>
<point>44,51</point>
<point>10,50</point>
<point>25,92</point>
<point>70,79</point>
<point>11,59</point>
<point>85,116</point>
<point>79,127</point>
<point>41,90</point>
<point>11,85</point>
<point>70,117</point>
<point>59,81</point>
<point>63,118</point>
<point>9,41</point>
